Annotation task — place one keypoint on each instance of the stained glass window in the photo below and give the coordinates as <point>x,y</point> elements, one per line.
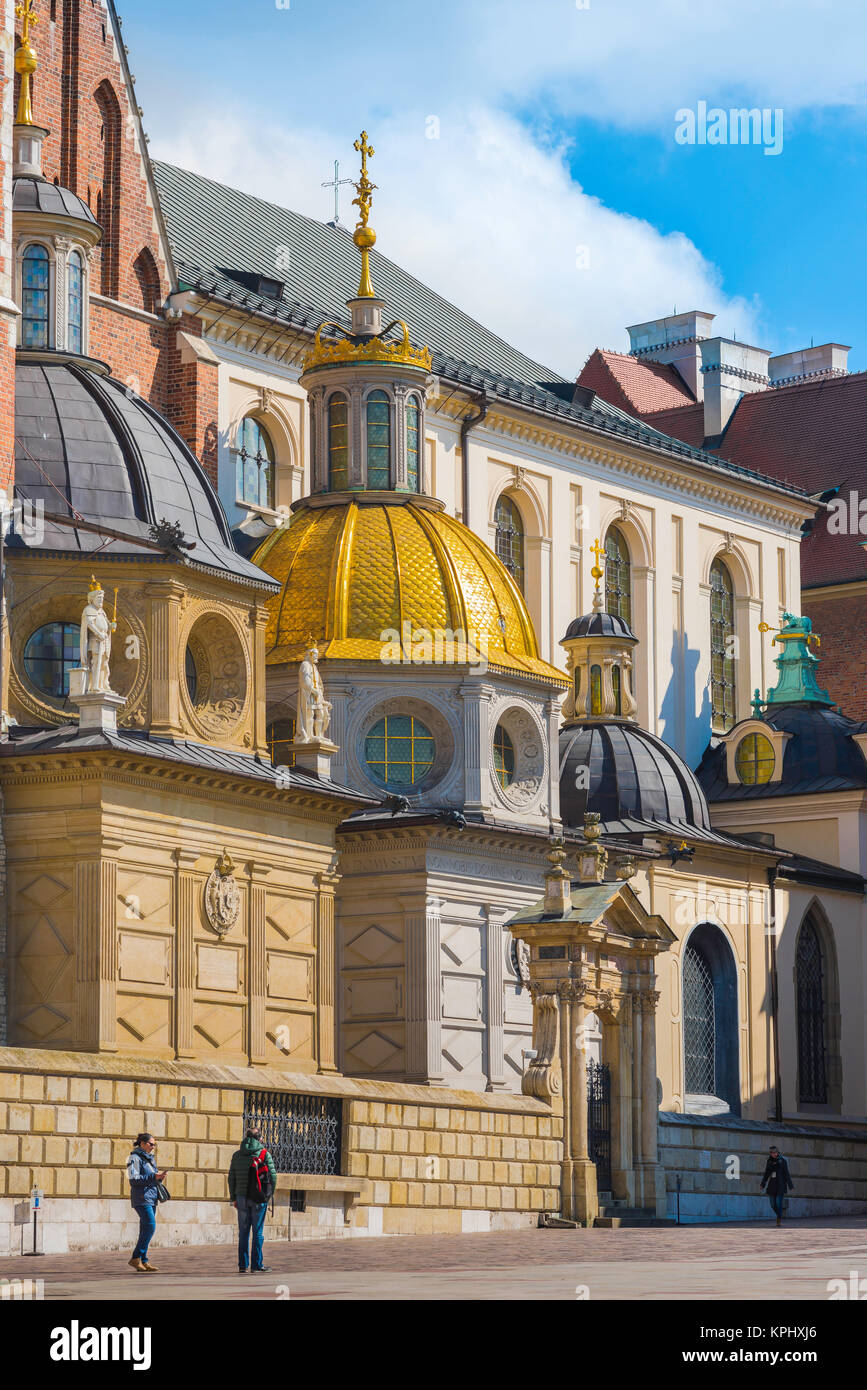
<point>504,756</point>
<point>754,760</point>
<point>378,440</point>
<point>810,988</point>
<point>699,1024</point>
<point>49,655</point>
<point>254,465</point>
<point>75,277</point>
<point>595,690</point>
<point>400,751</point>
<point>618,576</point>
<point>509,543</point>
<point>413,475</point>
<point>35,277</point>
<point>338,443</point>
<point>722,629</point>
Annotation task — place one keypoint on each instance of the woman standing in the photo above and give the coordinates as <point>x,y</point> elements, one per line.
<point>143,1177</point>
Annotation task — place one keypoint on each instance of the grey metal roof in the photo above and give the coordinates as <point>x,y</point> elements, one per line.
<point>87,441</point>
<point>820,756</point>
<point>32,194</point>
<point>222,240</point>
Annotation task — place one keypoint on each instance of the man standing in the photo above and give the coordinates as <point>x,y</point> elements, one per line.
<point>778,1180</point>
<point>252,1180</point>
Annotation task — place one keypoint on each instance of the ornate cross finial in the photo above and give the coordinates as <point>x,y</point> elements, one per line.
<point>597,572</point>
<point>26,61</point>
<point>337,183</point>
<point>26,13</point>
<point>364,236</point>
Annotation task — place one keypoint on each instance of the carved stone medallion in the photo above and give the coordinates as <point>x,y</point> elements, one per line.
<point>222,896</point>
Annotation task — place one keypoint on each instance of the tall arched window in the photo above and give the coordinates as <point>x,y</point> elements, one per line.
<point>111,135</point>
<point>618,576</point>
<point>254,465</point>
<point>35,280</point>
<point>509,544</point>
<point>711,1067</point>
<point>338,443</point>
<point>722,661</point>
<point>810,990</point>
<point>148,279</point>
<point>413,470</point>
<point>378,440</point>
<point>75,310</point>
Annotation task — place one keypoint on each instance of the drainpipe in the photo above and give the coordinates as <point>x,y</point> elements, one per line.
<point>775,998</point>
<point>466,425</point>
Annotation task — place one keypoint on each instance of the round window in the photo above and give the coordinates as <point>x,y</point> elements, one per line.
<point>504,757</point>
<point>49,655</point>
<point>399,751</point>
<point>754,760</point>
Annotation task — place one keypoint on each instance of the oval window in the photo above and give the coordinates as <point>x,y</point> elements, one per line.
<point>49,655</point>
<point>399,751</point>
<point>754,760</point>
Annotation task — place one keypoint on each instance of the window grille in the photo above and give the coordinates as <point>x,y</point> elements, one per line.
<point>618,576</point>
<point>699,1025</point>
<point>812,1071</point>
<point>509,542</point>
<point>302,1133</point>
<point>722,662</point>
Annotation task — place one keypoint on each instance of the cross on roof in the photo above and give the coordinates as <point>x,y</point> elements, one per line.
<point>336,183</point>
<point>26,13</point>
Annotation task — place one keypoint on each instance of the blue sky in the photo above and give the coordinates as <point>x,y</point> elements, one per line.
<point>555,203</point>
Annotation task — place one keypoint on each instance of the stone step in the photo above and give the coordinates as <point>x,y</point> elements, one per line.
<point>612,1217</point>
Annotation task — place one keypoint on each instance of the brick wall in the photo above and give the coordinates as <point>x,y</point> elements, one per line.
<point>8,329</point>
<point>840,621</point>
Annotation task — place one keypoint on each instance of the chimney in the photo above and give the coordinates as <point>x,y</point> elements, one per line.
<point>729,369</point>
<point>674,340</point>
<point>812,363</point>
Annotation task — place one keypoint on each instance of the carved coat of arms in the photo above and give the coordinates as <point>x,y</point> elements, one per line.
<point>222,896</point>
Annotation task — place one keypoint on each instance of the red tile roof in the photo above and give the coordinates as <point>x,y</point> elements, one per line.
<point>639,387</point>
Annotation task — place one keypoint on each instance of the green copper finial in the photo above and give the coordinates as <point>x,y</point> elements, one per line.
<point>758,704</point>
<point>797,665</point>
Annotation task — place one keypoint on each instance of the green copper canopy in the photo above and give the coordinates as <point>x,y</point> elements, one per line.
<point>797,666</point>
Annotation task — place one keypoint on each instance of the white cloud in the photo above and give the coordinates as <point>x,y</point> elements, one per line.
<point>489,218</point>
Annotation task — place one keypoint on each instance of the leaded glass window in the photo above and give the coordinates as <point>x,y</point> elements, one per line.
<point>754,760</point>
<point>699,1024</point>
<point>722,631</point>
<point>49,655</point>
<point>413,472</point>
<point>618,576</point>
<point>810,990</point>
<point>378,440</point>
<point>74,318</point>
<point>509,543</point>
<point>254,466</point>
<point>338,443</point>
<point>35,280</point>
<point>504,756</point>
<point>400,751</point>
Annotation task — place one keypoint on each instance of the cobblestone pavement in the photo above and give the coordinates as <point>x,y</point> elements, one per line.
<point>690,1262</point>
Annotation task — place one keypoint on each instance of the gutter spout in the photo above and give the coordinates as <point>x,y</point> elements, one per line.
<point>466,425</point>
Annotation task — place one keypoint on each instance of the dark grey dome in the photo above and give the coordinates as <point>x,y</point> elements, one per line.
<point>31,194</point>
<point>820,756</point>
<point>599,625</point>
<point>86,444</point>
<point>633,776</point>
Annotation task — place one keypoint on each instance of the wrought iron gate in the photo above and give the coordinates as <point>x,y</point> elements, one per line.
<point>599,1122</point>
<point>302,1133</point>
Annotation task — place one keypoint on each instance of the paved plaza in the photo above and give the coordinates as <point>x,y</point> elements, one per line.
<point>752,1261</point>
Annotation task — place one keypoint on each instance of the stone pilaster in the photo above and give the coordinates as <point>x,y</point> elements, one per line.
<point>258,624</point>
<point>477,721</point>
<point>423,992</point>
<point>257,985</point>
<point>94,903</point>
<point>326,973</point>
<point>165,598</point>
<point>188,890</point>
<point>495,983</point>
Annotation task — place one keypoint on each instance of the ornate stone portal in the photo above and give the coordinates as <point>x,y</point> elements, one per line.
<point>592,950</point>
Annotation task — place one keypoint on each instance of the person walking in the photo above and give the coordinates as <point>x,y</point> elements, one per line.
<point>252,1180</point>
<point>143,1174</point>
<point>778,1180</point>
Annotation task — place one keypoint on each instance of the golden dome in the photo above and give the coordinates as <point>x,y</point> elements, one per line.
<point>352,571</point>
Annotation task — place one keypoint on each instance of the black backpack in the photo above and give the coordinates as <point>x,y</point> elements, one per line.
<point>260,1188</point>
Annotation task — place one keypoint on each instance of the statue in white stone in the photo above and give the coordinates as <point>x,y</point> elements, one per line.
<point>95,642</point>
<point>314,711</point>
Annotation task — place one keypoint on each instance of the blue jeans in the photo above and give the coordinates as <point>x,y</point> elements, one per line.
<point>776,1200</point>
<point>147,1218</point>
<point>251,1220</point>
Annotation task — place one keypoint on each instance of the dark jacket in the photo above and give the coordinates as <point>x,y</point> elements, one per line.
<point>777,1176</point>
<point>240,1167</point>
<point>141,1169</point>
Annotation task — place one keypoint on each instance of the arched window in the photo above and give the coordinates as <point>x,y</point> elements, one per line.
<point>254,465</point>
<point>148,278</point>
<point>338,443</point>
<point>618,697</point>
<point>49,655</point>
<point>504,757</point>
<point>108,201</point>
<point>413,471</point>
<point>810,989</point>
<point>399,750</point>
<point>711,1067</point>
<point>75,307</point>
<point>378,440</point>
<point>280,734</point>
<point>509,543</point>
<point>618,576</point>
<point>35,278</point>
<point>595,690</point>
<point>722,661</point>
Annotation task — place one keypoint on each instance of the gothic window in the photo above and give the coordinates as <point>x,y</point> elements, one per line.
<point>509,543</point>
<point>810,977</point>
<point>754,760</point>
<point>618,576</point>
<point>378,440</point>
<point>413,471</point>
<point>399,750</point>
<point>504,756</point>
<point>280,734</point>
<point>254,465</point>
<point>699,1024</point>
<point>35,279</point>
<point>108,201</point>
<point>74,318</point>
<point>49,655</point>
<point>338,443</point>
<point>148,279</point>
<point>722,630</point>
